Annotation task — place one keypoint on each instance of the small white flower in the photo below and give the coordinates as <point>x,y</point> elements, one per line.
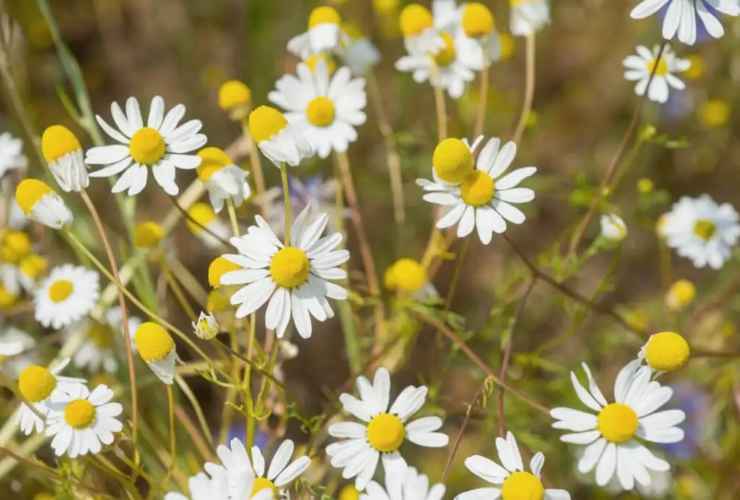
<point>99,347</point>
<point>63,153</point>
<point>324,33</point>
<point>384,429</point>
<point>528,16</point>
<point>223,178</point>
<point>358,52</point>
<point>479,198</point>
<point>408,277</point>
<point>156,347</point>
<point>610,436</point>
<point>639,68</point>
<point>613,228</point>
<point>510,480</point>
<point>81,421</point>
<point>14,347</point>
<point>161,145</point>
<point>11,154</point>
<point>67,295</point>
<point>296,277</point>
<point>206,327</point>
<point>475,29</point>
<point>702,230</point>
<point>681,16</point>
<point>324,108</point>
<point>42,204</point>
<point>404,485</point>
<point>280,141</point>
<point>418,27</point>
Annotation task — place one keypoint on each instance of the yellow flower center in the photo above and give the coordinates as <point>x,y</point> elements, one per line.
<point>203,214</point>
<point>522,486</point>
<point>661,70</point>
<point>452,160</point>
<point>349,492</point>
<point>477,189</point>
<point>212,160</point>
<point>320,112</point>
<point>617,423</point>
<point>406,275</point>
<point>681,294</point>
<point>289,267</point>
<point>147,146</point>
<point>714,113</point>
<point>705,229</point>
<point>153,342</point>
<point>447,53</point>
<point>148,234</point>
<point>58,141</point>
<point>314,59</point>
<point>60,290</point>
<point>323,15</point>
<point>477,20</point>
<point>14,246</point>
<point>261,484</point>
<point>33,266</point>
<point>217,268</point>
<point>79,414</point>
<point>29,192</point>
<point>217,301</point>
<point>386,432</point>
<point>7,299</point>
<point>233,94</point>
<point>667,351</point>
<point>36,383</point>
<point>100,335</point>
<point>265,122</point>
<point>415,19</point>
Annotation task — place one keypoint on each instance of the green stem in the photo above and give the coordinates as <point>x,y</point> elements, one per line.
<point>287,203</point>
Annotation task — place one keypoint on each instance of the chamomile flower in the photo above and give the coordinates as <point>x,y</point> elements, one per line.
<point>63,153</point>
<point>475,28</point>
<point>384,428</point>
<point>296,277</point>
<point>99,347</point>
<point>278,140</point>
<point>68,294</point>
<point>680,295</point>
<point>206,217</point>
<point>206,327</point>
<point>702,230</point>
<point>357,51</point>
<point>16,351</point>
<point>326,109</point>
<point>510,480</point>
<point>409,277</point>
<point>614,436</point>
<point>217,484</point>
<point>38,384</point>
<point>639,68</point>
<point>11,154</point>
<point>665,352</point>
<point>479,198</point>
<point>528,16</point>
<point>156,347</point>
<point>276,477</point>
<point>148,234</point>
<point>224,179</point>
<point>324,33</point>
<point>81,421</point>
<point>613,228</point>
<point>419,33</point>
<point>42,204</point>
<point>404,485</point>
<point>162,145</point>
<point>681,16</point>
<point>235,98</point>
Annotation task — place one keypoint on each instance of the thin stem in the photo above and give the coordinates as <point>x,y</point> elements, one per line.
<point>254,161</point>
<point>171,413</point>
<point>480,115</point>
<point>461,432</point>
<point>185,388</point>
<point>440,108</point>
<point>456,273</point>
<point>232,217</point>
<point>190,219</point>
<point>250,421</point>
<point>287,204</point>
<point>528,89</point>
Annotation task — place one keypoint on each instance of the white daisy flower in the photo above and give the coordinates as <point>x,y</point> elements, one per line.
<point>681,16</point>
<point>408,277</point>
<point>665,352</point>
<point>296,278</point>
<point>161,145</point>
<point>235,98</point>
<point>357,51</point>
<point>156,347</point>
<point>223,178</point>
<point>81,421</point>
<point>68,294</point>
<point>217,484</point>
<point>19,266</point>
<point>63,153</point>
<point>613,228</point>
<point>205,216</point>
<point>614,435</point>
<point>480,198</point>
<point>206,326</point>
<point>324,33</point>
<point>38,385</point>
<point>280,141</point>
<point>42,204</point>
<point>15,351</point>
<point>276,478</point>
<point>702,230</point>
<point>475,28</point>
<point>418,28</point>
<point>383,430</point>
<point>99,347</point>
<point>404,485</point>
<point>528,16</point>
<point>510,480</point>
<point>11,154</point>
<point>639,68</point>
<point>325,109</point>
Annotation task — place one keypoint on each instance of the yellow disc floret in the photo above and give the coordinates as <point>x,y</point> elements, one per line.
<point>36,383</point>
<point>477,189</point>
<point>662,67</point>
<point>33,266</point>
<point>522,486</point>
<point>452,161</point>
<point>265,122</point>
<point>212,160</point>
<point>203,214</point>
<point>666,351</point>
<point>147,146</point>
<point>14,246</point>
<point>705,229</point>
<point>323,15</point>
<point>58,141</point>
<point>60,290</point>
<point>680,295</point>
<point>446,55</point>
<point>79,414</point>
<point>289,267</point>
<point>415,19</point>
<point>406,276</point>
<point>313,61</point>
<point>148,234</point>
<point>233,95</point>
<point>7,298</point>
<point>217,268</point>
<point>617,423</point>
<point>153,342</point>
<point>29,192</point>
<point>261,484</point>
<point>100,335</point>
<point>320,111</point>
<point>477,20</point>
<point>349,492</point>
<point>386,432</point>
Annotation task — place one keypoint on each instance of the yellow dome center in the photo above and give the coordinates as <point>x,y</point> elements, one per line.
<point>415,19</point>
<point>36,383</point>
<point>212,160</point>
<point>233,94</point>
<point>452,160</point>
<point>29,192</point>
<point>147,146</point>
<point>667,351</point>
<point>320,112</point>
<point>261,484</point>
<point>265,122</point>
<point>289,267</point>
<point>58,141</point>
<point>153,342</point>
<point>33,266</point>
<point>477,20</point>
<point>14,246</point>
<point>447,53</point>
<point>661,70</point>
<point>7,299</point>
<point>203,214</point>
<point>60,290</point>
<point>477,189</point>
<point>148,234</point>
<point>100,335</point>
<point>406,275</point>
<point>522,486</point>
<point>705,229</point>
<point>681,294</point>
<point>323,15</point>
<point>386,432</point>
<point>79,414</point>
<point>349,492</point>
<point>617,422</point>
<point>217,301</point>
<point>217,268</point>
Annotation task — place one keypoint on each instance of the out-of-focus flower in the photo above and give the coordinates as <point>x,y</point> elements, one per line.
<point>235,98</point>
<point>156,347</point>
<point>206,327</point>
<point>406,484</point>
<point>639,68</point>
<point>528,16</point>
<point>99,347</point>
<point>224,179</point>
<point>681,17</point>
<point>15,351</point>
<point>349,492</point>
<point>665,352</point>
<point>63,153</point>
<point>66,296</point>
<point>408,277</point>
<point>201,215</point>
<point>474,28</point>
<point>11,154</point>
<point>217,268</point>
<point>419,33</point>
<point>613,228</point>
<point>714,113</point>
<point>148,234</point>
<point>324,33</point>
<point>680,295</point>
<point>357,51</point>
<point>278,140</point>
<point>42,204</point>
